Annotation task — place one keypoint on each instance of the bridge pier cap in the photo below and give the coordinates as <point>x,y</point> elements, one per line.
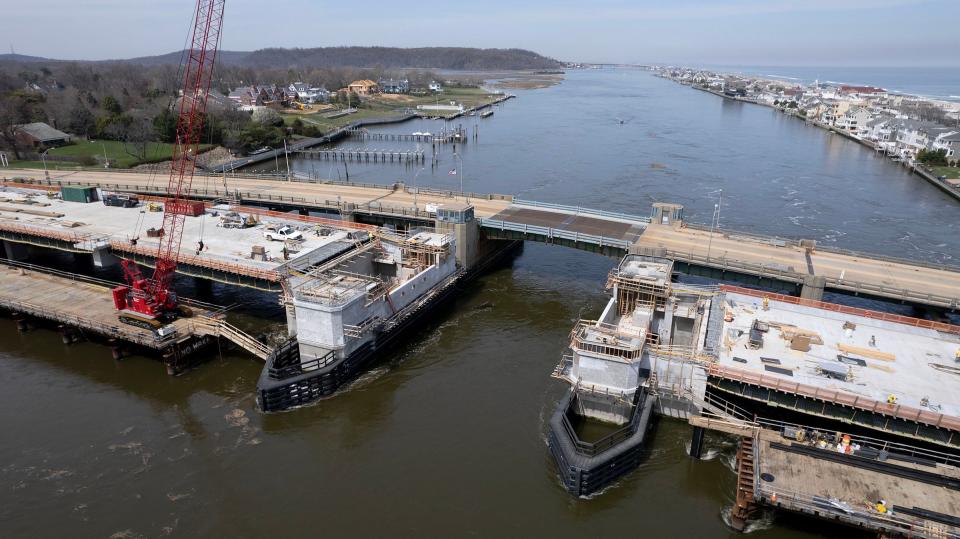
<point>665,213</point>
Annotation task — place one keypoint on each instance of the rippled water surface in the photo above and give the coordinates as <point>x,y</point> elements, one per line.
<point>446,436</point>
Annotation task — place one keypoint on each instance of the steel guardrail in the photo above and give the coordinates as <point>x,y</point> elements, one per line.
<point>553,233</point>
<point>579,210</point>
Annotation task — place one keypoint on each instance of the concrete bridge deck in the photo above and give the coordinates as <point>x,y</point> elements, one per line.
<point>727,255</point>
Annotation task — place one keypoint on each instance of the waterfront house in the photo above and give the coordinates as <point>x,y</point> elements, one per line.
<point>394,86</point>
<point>916,135</point>
<point>40,135</point>
<point>950,142</point>
<point>854,120</point>
<point>363,87</point>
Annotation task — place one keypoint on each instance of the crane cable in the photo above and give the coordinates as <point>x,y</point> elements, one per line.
<point>196,155</point>
<point>153,172</point>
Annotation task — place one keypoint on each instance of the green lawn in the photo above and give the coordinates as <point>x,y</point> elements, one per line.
<point>949,172</point>
<point>379,107</point>
<point>329,124</point>
<point>116,152</point>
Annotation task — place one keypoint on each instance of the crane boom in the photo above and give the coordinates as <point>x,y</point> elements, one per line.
<point>146,300</point>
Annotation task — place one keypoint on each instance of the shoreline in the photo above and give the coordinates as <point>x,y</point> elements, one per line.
<point>944,186</point>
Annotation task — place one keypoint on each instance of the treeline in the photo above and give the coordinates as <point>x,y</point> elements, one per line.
<point>132,102</point>
<point>390,57</point>
<point>462,58</point>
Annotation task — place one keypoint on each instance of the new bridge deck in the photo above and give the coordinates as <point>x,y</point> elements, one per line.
<point>615,234</point>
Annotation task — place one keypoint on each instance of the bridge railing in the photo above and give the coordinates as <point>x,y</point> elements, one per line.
<point>553,233</point>
<point>583,211</point>
<point>788,242</point>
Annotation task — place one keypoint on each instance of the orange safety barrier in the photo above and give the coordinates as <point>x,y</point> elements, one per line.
<point>203,262</point>
<point>836,308</point>
<point>44,232</point>
<point>835,396</point>
<point>31,186</point>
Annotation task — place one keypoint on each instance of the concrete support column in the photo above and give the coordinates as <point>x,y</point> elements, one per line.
<point>666,327</point>
<point>813,286</point>
<point>15,251</point>
<point>68,335</point>
<point>116,349</point>
<point>23,324</point>
<point>696,442</point>
<point>103,259</point>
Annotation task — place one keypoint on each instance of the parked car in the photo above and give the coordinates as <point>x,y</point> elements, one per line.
<point>121,200</point>
<point>282,234</point>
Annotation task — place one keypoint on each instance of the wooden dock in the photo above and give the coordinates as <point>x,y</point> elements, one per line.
<point>365,155</point>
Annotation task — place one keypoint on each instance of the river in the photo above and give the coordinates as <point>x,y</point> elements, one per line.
<point>446,436</point>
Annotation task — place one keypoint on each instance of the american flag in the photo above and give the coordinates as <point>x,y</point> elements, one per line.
<point>453,172</point>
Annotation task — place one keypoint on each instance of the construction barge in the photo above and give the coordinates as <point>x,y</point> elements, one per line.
<point>843,414</point>
<point>349,289</point>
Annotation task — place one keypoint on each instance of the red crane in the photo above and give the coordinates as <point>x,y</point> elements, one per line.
<point>152,302</point>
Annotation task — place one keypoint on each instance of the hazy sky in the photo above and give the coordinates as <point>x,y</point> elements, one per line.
<point>741,32</point>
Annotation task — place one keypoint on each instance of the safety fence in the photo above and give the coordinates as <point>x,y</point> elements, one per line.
<point>843,309</point>
<point>835,396</point>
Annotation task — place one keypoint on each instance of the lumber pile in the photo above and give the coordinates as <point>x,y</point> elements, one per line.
<point>866,352</point>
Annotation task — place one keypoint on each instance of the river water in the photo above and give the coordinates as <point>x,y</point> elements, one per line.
<point>446,436</point>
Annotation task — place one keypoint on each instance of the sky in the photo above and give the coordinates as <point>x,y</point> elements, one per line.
<point>692,32</point>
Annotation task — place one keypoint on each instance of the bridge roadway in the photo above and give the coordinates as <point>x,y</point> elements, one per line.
<point>727,252</point>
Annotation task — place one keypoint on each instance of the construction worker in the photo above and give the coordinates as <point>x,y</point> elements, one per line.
<point>881,506</point>
<point>956,357</point>
<point>766,303</point>
<point>892,399</point>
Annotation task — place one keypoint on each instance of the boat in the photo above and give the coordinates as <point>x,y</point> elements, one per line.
<point>486,114</point>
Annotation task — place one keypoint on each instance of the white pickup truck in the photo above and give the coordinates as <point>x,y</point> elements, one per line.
<point>283,233</point>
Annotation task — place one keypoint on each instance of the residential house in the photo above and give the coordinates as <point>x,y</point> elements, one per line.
<point>363,87</point>
<point>862,91</point>
<point>246,97</point>
<point>40,135</point>
<point>394,86</point>
<point>436,87</point>
<point>308,94</point>
<point>950,142</point>
<point>915,135</point>
<point>854,120</point>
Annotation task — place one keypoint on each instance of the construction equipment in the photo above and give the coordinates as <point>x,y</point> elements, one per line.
<point>152,302</point>
<point>155,207</point>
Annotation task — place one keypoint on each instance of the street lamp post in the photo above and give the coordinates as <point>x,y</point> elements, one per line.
<point>43,157</point>
<point>460,171</point>
<point>416,191</point>
<point>716,209</point>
